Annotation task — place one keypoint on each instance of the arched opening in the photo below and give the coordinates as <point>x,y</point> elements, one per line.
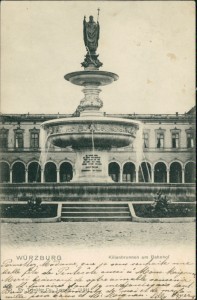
<point>175,172</point>
<point>145,172</point>
<point>50,172</point>
<point>34,172</point>
<point>18,172</point>
<point>4,172</point>
<point>114,171</point>
<point>160,172</point>
<point>66,172</point>
<point>129,172</point>
<point>190,172</point>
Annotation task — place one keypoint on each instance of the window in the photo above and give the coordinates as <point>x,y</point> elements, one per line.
<point>190,140</point>
<point>4,138</point>
<point>175,140</point>
<point>34,140</point>
<point>19,143</point>
<point>160,140</point>
<point>146,139</point>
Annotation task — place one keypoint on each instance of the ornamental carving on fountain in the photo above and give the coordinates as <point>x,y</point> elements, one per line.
<point>95,127</point>
<point>91,101</point>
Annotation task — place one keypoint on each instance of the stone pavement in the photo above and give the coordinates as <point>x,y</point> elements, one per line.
<point>96,234</point>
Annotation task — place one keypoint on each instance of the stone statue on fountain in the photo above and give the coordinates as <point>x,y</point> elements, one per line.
<point>91,34</point>
<point>91,31</point>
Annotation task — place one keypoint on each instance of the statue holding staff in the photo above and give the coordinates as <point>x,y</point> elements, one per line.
<point>91,34</point>
<point>91,31</point>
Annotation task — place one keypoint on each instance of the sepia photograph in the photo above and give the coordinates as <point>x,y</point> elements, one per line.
<point>97,150</point>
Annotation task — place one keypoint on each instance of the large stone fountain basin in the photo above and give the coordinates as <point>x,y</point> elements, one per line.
<point>88,132</point>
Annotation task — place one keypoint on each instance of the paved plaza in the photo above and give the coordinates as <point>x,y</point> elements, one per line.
<point>96,234</point>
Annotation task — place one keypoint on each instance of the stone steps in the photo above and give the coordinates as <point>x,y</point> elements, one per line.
<point>98,219</point>
<point>95,205</point>
<point>95,212</point>
<point>95,209</point>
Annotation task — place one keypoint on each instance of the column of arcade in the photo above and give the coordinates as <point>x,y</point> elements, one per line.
<point>127,172</point>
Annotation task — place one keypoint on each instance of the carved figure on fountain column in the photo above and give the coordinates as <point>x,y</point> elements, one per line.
<point>88,102</point>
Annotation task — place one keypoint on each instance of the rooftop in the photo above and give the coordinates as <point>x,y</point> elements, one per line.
<point>188,116</point>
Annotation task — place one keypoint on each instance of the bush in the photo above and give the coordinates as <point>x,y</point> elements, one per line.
<point>161,204</point>
<point>162,207</point>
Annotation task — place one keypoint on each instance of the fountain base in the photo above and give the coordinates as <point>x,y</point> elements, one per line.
<point>91,166</point>
<point>116,191</point>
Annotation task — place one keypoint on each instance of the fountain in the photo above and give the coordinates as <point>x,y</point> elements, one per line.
<point>91,134</point>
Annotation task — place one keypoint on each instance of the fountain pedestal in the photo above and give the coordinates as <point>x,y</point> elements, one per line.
<point>91,166</point>
<point>91,80</point>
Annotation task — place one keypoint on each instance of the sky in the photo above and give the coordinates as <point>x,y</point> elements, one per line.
<point>150,45</point>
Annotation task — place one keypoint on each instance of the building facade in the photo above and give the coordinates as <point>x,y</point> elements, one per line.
<point>163,151</point>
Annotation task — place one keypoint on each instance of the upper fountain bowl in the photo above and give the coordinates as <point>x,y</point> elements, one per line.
<point>94,77</point>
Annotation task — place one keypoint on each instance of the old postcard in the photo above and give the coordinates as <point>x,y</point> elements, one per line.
<point>97,139</point>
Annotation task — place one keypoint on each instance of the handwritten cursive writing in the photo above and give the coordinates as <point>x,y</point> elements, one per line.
<point>149,278</point>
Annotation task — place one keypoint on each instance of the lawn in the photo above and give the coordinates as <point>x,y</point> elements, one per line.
<point>28,211</point>
<point>172,210</point>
